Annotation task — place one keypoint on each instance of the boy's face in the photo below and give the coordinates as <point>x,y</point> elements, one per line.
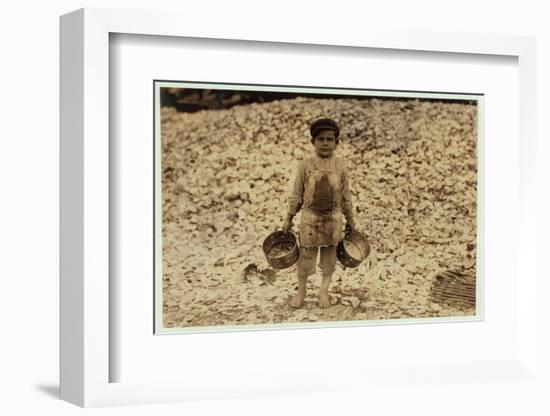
<point>325,143</point>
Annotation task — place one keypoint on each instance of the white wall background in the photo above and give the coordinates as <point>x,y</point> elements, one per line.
<point>29,205</point>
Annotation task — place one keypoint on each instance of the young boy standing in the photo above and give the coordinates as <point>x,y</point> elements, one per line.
<point>321,190</point>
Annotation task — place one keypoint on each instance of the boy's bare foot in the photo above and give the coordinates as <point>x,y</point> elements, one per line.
<point>324,300</point>
<point>297,300</point>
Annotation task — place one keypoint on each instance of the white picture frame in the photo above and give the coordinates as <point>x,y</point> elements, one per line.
<point>84,200</point>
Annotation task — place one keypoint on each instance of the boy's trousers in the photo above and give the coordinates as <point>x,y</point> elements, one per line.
<point>306,264</point>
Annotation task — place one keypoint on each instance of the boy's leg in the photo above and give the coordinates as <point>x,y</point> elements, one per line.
<point>305,266</point>
<point>328,265</point>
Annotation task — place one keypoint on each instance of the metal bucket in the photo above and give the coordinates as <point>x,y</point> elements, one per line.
<point>283,243</point>
<point>353,249</point>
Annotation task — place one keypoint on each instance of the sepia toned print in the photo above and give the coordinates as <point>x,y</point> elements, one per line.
<point>398,197</point>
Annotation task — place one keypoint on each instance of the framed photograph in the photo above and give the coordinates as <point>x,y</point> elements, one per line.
<point>226,198</point>
<point>408,184</point>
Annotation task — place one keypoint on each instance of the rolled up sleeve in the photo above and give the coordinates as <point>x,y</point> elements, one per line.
<point>347,204</point>
<point>296,198</point>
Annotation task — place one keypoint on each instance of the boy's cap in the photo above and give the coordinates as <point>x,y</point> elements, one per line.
<point>324,124</point>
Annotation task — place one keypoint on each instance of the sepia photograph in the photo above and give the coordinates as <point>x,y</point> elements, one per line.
<point>288,206</point>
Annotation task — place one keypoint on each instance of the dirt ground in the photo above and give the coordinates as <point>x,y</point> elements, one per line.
<point>226,178</point>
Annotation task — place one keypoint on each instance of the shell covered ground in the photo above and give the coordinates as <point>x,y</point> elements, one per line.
<point>226,177</point>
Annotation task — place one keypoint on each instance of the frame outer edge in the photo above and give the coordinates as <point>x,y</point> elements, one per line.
<point>71,202</point>
<point>527,260</point>
<point>381,36</point>
<point>84,184</point>
<point>96,208</point>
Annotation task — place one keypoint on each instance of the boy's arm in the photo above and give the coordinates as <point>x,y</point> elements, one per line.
<point>347,205</point>
<point>295,199</point>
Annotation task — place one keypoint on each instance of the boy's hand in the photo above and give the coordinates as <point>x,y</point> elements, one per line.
<point>287,223</point>
<point>351,226</point>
